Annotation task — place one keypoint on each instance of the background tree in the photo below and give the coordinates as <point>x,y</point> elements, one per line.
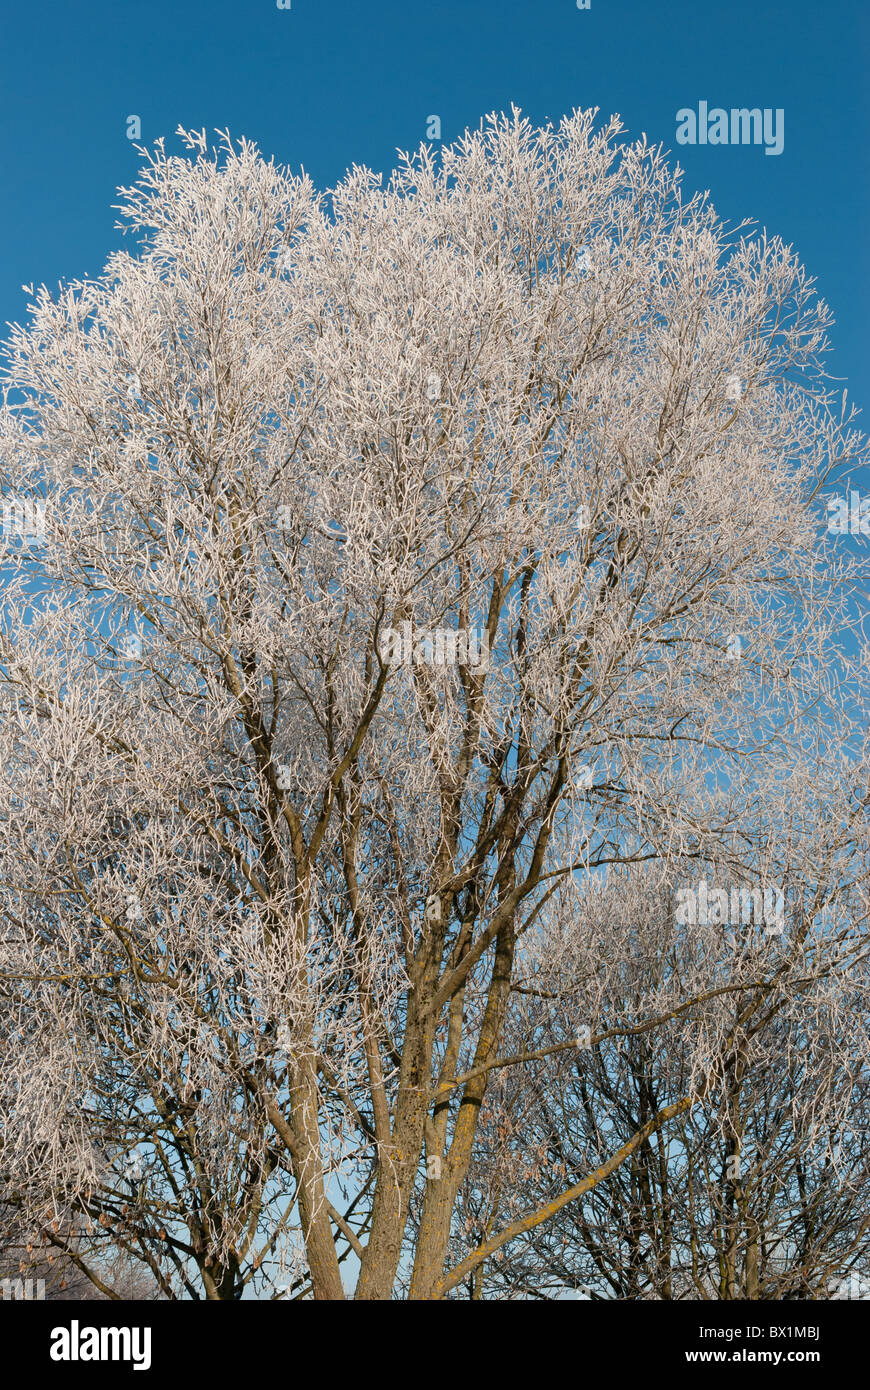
<point>62,1263</point>
<point>759,1194</point>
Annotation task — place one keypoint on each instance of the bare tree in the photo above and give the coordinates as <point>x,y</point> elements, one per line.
<point>61,1264</point>
<point>408,555</point>
<point>759,1193</point>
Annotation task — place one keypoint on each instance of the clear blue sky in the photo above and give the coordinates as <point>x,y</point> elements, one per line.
<point>332,82</point>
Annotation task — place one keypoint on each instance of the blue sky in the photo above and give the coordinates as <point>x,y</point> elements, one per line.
<point>332,82</point>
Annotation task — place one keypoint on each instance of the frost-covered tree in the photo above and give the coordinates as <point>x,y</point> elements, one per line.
<point>409,555</point>
<point>761,1191</point>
